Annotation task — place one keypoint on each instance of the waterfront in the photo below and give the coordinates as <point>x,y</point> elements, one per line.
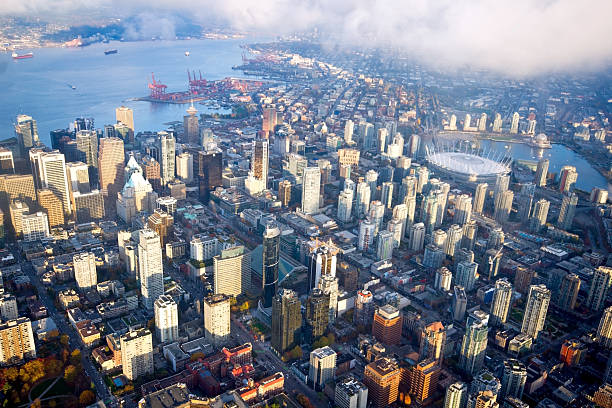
<point>559,156</point>
<point>42,86</point>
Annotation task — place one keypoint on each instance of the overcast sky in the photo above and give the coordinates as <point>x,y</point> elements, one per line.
<point>513,37</point>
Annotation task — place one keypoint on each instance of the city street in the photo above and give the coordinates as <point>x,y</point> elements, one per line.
<point>65,328</point>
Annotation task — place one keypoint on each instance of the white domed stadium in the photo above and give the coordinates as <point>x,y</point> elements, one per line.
<point>468,166</point>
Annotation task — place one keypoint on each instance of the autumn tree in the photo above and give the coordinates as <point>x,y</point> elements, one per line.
<point>197,356</point>
<point>70,374</point>
<point>296,353</point>
<point>75,357</point>
<point>64,339</point>
<point>87,397</point>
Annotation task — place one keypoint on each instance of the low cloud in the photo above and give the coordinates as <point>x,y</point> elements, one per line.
<point>512,37</point>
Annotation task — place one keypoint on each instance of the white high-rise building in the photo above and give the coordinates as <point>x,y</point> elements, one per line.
<point>539,215</point>
<point>167,156</point>
<point>217,328</point>
<point>137,353</point>
<point>394,226</point>
<point>345,205</point>
<point>366,235</point>
<point>444,279</point>
<point>362,199</point>
<point>497,123</point>
<point>417,236</point>
<point>500,306</point>
<point>422,178</point>
<point>463,209</point>
<point>35,226</point>
<point>78,176</point>
<point>322,366</point>
<point>166,319</point>
<point>400,212</point>
<point>479,197</point>
<point>349,128</point>
<point>515,123</point>
<point>371,178</point>
<point>384,245</point>
<point>438,238</point>
<point>203,248</point>
<point>452,125</point>
<point>604,330</point>
<point>536,308</point>
<point>377,214</point>
<point>466,122</point>
<point>456,395</point>
<point>466,275</point>
<point>531,127</point>
<point>503,206</point>
<point>473,347</point>
<point>232,271</point>
<point>184,167</point>
<point>85,271</point>
<point>513,379</point>
<point>311,190</point>
<point>386,194</point>
<point>150,267</point>
<point>453,240</point>
<point>482,122</point>
<point>600,285</point>
<point>350,393</point>
<point>567,211</point>
<point>49,171</point>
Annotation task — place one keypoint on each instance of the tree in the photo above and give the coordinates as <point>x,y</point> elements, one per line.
<point>53,367</point>
<point>296,353</point>
<point>75,357</point>
<point>87,397</point>
<point>70,374</point>
<point>64,339</point>
<point>197,356</point>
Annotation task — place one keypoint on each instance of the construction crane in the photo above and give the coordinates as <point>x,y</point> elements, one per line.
<point>158,90</point>
<point>197,85</point>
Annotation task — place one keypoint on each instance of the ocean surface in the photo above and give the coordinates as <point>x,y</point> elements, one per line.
<point>42,86</point>
<point>558,155</point>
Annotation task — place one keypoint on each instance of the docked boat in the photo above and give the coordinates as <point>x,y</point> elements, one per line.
<point>22,56</point>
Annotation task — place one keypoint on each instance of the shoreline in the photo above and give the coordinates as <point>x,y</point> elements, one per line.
<point>51,44</point>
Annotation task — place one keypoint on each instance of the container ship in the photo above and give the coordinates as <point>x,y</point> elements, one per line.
<point>22,56</point>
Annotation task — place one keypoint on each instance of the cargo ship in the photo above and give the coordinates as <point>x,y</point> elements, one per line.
<point>111,51</point>
<point>22,56</point>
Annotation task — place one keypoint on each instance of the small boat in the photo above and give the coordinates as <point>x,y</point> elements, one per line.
<point>72,86</point>
<point>110,51</point>
<point>22,56</point>
<point>186,53</point>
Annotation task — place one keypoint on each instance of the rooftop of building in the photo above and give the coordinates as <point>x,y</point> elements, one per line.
<point>323,352</point>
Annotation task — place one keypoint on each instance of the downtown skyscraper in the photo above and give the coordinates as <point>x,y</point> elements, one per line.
<point>150,267</point>
<point>271,256</point>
